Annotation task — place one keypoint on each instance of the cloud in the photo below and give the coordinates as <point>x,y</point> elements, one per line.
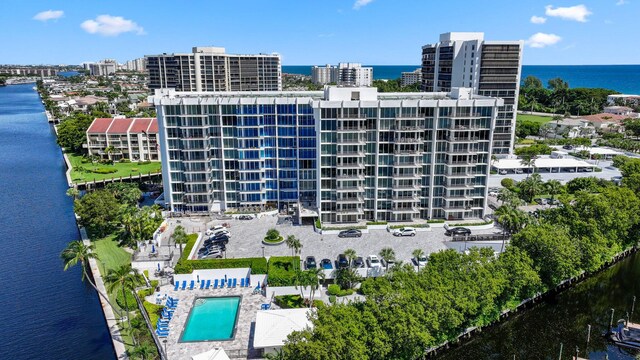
<point>108,25</point>
<point>360,3</point>
<point>575,13</point>
<point>622,2</point>
<point>538,19</point>
<point>540,40</point>
<point>48,15</point>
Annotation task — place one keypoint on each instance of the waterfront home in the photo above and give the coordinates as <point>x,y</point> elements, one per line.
<point>121,138</point>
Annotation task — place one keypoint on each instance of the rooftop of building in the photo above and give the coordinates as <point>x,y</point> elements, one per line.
<point>123,126</point>
<point>605,117</point>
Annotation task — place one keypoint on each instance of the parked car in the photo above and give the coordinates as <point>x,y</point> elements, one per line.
<point>518,171</point>
<point>388,263</point>
<point>219,237</point>
<point>214,229</point>
<point>245,217</point>
<point>493,193</point>
<point>588,169</point>
<point>458,231</point>
<point>358,262</point>
<point>211,253</point>
<point>568,147</point>
<point>350,233</point>
<point>405,231</point>
<point>502,172</point>
<point>326,264</point>
<point>310,263</point>
<point>343,262</point>
<point>421,261</point>
<point>223,239</point>
<point>373,261</point>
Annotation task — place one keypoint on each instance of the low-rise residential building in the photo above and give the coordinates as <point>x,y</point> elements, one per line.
<point>626,99</point>
<point>121,138</point>
<point>620,110</point>
<point>605,122</point>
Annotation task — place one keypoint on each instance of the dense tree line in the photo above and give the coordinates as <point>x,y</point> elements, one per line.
<point>408,311</point>
<point>558,98</point>
<point>395,86</point>
<point>72,130</point>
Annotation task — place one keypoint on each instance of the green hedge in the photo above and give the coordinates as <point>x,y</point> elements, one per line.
<point>376,223</point>
<point>148,291</point>
<point>104,171</point>
<point>413,226</point>
<point>153,311</point>
<point>131,300</point>
<point>257,265</point>
<point>345,227</point>
<point>294,302</point>
<point>472,224</point>
<point>435,221</point>
<point>282,270</point>
<point>335,290</point>
<point>278,240</point>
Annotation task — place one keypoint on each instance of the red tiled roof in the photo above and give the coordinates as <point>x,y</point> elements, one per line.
<point>605,117</point>
<point>120,126</point>
<point>153,127</point>
<point>139,125</point>
<point>99,125</point>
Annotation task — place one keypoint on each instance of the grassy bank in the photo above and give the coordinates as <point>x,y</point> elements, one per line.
<point>534,118</point>
<point>83,170</point>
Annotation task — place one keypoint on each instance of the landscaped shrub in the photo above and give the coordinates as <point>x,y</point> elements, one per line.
<point>412,225</point>
<point>294,302</point>
<point>507,183</point>
<point>472,224</point>
<point>131,300</point>
<point>335,290</point>
<point>377,223</point>
<point>282,270</point>
<point>435,221</point>
<point>153,311</point>
<point>318,224</point>
<point>257,265</point>
<point>104,170</point>
<point>332,299</point>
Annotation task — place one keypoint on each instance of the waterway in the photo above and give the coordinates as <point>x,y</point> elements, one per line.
<point>45,312</point>
<point>538,332</point>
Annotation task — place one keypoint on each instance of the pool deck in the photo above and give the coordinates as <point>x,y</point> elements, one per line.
<point>241,347</point>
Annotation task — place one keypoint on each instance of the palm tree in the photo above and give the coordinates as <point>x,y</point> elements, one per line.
<point>387,254</point>
<point>531,186</point>
<point>124,277</point>
<point>508,197</point>
<point>554,187</point>
<point>294,244</point>
<point>528,161</point>
<point>316,276</point>
<point>143,351</point>
<point>109,150</point>
<point>77,252</point>
<point>417,254</point>
<point>350,254</point>
<point>180,237</point>
<point>511,219</point>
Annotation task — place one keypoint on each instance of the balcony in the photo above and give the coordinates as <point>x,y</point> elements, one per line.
<point>416,175</point>
<point>457,197</point>
<point>350,166</point>
<point>346,177</point>
<point>463,151</point>
<point>350,189</point>
<point>465,174</point>
<point>410,198</point>
<point>405,187</point>
<point>350,153</point>
<point>350,128</point>
<point>459,185</point>
<point>407,152</point>
<point>411,164</point>
<point>411,209</point>
<point>352,141</point>
<point>409,129</point>
<point>352,199</point>
<point>408,140</point>
<point>358,211</point>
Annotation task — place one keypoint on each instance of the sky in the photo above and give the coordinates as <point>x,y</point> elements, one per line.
<point>307,32</point>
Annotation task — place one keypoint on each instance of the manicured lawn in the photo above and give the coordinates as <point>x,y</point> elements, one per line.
<point>83,171</point>
<point>111,255</point>
<point>535,118</point>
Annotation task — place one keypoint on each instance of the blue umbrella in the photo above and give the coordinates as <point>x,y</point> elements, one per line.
<point>158,266</point>
<point>153,248</point>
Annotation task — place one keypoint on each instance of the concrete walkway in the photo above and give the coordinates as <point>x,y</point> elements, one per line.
<point>112,320</point>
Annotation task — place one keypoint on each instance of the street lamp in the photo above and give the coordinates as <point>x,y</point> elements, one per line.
<point>262,250</point>
<point>165,347</point>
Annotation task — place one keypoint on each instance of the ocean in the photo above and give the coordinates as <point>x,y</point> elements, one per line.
<point>47,313</point>
<point>622,78</point>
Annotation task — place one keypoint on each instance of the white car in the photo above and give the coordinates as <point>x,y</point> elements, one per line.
<point>518,171</point>
<point>405,231</point>
<point>215,230</point>
<point>421,261</point>
<point>503,172</point>
<point>373,261</point>
<point>493,193</point>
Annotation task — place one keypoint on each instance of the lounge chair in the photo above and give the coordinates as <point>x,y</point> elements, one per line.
<point>162,333</point>
<point>248,282</point>
<point>177,286</point>
<point>191,284</point>
<point>208,284</point>
<point>221,283</point>
<point>242,282</point>
<point>215,284</point>
<point>235,282</point>
<point>201,284</point>
<point>162,322</point>
<point>265,306</point>
<point>162,327</point>
<point>184,284</point>
<point>229,283</point>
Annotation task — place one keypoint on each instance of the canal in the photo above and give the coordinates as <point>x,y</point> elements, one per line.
<point>46,313</point>
<point>538,332</point>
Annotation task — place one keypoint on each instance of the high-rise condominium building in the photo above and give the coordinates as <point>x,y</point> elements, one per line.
<point>410,77</point>
<point>138,65</point>
<point>490,68</point>
<point>104,67</point>
<point>211,69</point>
<point>349,153</point>
<point>345,74</point>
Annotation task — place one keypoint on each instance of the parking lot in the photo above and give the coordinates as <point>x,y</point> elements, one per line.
<point>607,173</point>
<point>247,235</point>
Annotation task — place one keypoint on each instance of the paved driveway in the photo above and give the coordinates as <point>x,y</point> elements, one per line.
<point>607,173</point>
<point>247,235</point>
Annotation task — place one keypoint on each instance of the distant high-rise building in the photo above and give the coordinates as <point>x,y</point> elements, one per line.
<point>345,74</point>
<point>104,67</point>
<point>410,77</point>
<point>490,68</point>
<point>211,69</point>
<point>138,65</point>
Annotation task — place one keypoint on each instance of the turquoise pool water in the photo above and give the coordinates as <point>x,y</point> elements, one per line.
<point>212,319</point>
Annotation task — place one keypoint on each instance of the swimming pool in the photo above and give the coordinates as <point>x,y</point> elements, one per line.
<point>212,319</point>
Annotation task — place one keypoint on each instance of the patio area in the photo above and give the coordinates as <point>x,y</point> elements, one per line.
<point>242,344</point>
